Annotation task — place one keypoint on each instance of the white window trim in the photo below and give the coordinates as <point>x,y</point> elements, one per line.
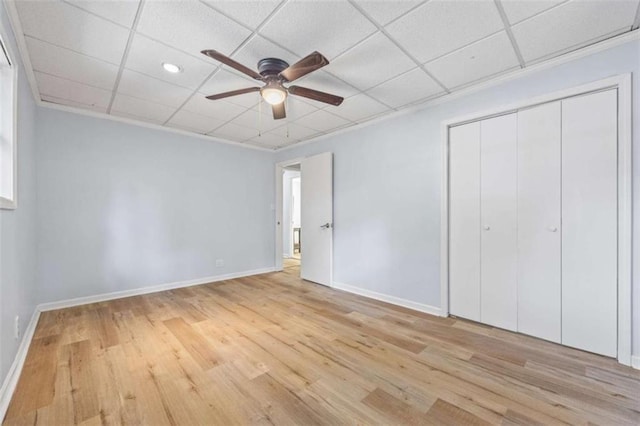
<point>623,83</point>
<point>5,203</point>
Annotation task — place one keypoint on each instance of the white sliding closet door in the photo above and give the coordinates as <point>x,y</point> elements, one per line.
<point>464,221</point>
<point>589,222</point>
<point>498,192</point>
<point>539,261</point>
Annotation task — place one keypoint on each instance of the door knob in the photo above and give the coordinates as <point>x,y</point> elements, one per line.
<point>486,227</point>
<point>553,229</point>
<point>326,225</point>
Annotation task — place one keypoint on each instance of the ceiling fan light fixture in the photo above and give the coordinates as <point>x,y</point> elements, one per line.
<point>172,68</point>
<point>273,93</point>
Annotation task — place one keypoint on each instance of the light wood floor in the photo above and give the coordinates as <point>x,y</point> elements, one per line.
<point>273,349</point>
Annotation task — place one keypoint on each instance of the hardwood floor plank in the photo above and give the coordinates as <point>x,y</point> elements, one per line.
<point>84,381</point>
<point>443,413</point>
<point>393,408</point>
<point>193,342</point>
<point>38,377</point>
<point>274,349</point>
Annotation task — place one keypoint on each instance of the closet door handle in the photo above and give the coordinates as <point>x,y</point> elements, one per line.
<point>486,227</point>
<point>552,229</point>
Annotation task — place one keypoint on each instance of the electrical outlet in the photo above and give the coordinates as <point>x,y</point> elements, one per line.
<point>16,330</point>
<point>219,263</point>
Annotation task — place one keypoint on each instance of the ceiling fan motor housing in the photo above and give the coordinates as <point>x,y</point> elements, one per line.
<point>271,66</point>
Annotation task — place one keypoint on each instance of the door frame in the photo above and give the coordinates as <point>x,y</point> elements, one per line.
<point>278,208</point>
<point>620,82</point>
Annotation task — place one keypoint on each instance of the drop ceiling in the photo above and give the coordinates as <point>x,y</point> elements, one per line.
<point>106,55</point>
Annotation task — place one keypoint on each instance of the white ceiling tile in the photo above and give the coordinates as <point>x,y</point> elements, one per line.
<point>72,91</point>
<point>293,131</point>
<point>70,65</point>
<point>329,27</point>
<point>146,56</point>
<point>194,122</point>
<point>297,107</point>
<point>137,117</point>
<point>269,140</point>
<point>190,26</point>
<point>572,24</point>
<point>261,122</point>
<point>144,87</point>
<point>359,107</point>
<point>121,11</point>
<point>406,88</point>
<point>324,82</point>
<point>371,62</point>
<point>441,26</point>
<point>518,10</point>
<point>260,48</point>
<point>219,109</point>
<point>67,26</point>
<point>225,81</point>
<point>251,13</point>
<point>476,61</point>
<point>248,100</point>
<point>385,11</point>
<point>322,121</point>
<point>67,102</point>
<point>141,108</point>
<point>234,132</point>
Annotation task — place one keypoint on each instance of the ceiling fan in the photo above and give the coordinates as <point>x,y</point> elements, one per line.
<point>274,73</point>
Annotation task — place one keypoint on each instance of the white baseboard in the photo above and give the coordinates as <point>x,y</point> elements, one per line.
<point>68,303</point>
<point>11,380</point>
<point>635,361</point>
<point>433,310</point>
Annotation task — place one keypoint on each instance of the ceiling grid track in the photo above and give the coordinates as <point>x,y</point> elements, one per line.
<point>507,28</point>
<point>132,33</point>
<point>398,45</point>
<point>636,22</point>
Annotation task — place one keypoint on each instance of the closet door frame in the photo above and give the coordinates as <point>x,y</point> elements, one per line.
<point>620,82</point>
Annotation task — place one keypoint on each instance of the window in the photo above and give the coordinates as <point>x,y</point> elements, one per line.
<point>8,154</point>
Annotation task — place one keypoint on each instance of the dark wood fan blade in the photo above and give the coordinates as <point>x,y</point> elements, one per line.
<point>278,111</point>
<point>304,66</point>
<point>316,95</point>
<point>230,62</point>
<point>233,93</point>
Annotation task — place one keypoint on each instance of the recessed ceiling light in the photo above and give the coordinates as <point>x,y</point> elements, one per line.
<point>172,68</point>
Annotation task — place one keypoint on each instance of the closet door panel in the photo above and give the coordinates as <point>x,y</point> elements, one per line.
<point>498,153</point>
<point>464,221</point>
<point>589,228</point>
<point>539,192</point>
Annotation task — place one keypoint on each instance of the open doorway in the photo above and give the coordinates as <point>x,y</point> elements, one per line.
<point>308,247</point>
<point>291,217</point>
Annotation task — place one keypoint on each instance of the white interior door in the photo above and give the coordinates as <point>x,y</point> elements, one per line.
<point>589,222</point>
<point>317,218</point>
<point>539,261</point>
<point>464,221</point>
<point>498,195</point>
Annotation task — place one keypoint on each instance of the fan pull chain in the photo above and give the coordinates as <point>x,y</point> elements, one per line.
<point>260,116</point>
<point>287,118</point>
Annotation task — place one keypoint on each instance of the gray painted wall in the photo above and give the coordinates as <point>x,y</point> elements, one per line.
<point>17,227</point>
<point>387,182</point>
<point>122,207</point>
